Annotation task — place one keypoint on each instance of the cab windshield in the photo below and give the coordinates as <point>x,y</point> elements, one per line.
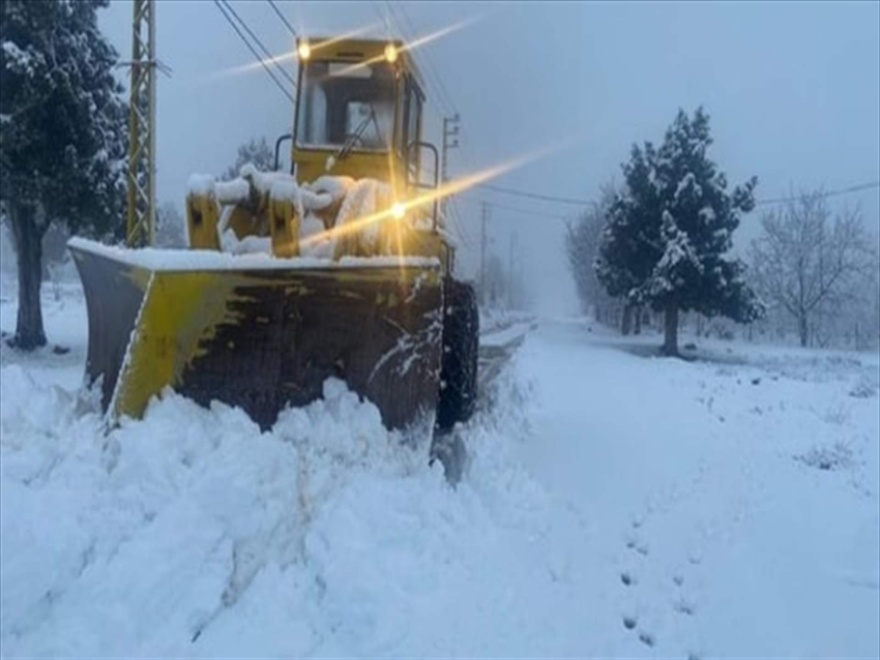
<point>343,103</point>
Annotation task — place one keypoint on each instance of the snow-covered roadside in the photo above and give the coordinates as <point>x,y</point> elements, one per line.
<point>733,503</point>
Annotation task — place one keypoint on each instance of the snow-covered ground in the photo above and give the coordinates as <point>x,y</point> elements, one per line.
<point>615,504</point>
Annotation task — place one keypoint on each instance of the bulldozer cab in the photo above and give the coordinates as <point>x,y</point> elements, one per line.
<point>359,114</point>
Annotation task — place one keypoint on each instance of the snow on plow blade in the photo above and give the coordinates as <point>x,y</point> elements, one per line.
<point>260,333</point>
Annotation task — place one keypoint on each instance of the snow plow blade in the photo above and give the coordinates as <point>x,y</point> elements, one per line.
<point>260,333</point>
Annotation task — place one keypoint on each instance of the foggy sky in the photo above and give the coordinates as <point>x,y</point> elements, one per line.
<point>793,90</point>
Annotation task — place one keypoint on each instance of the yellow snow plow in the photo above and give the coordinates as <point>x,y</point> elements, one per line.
<point>333,269</point>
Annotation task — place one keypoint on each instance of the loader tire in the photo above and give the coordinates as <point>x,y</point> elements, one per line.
<point>458,370</point>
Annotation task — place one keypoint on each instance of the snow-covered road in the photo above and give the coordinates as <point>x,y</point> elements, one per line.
<point>616,504</point>
<point>731,503</point>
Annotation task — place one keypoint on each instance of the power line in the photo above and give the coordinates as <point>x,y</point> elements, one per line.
<point>584,202</point>
<point>515,209</point>
<point>253,50</point>
<point>269,56</point>
<point>283,19</point>
<point>382,16</point>
<point>444,93</point>
<point>830,193</point>
<point>459,224</point>
<point>443,106</point>
<point>533,195</point>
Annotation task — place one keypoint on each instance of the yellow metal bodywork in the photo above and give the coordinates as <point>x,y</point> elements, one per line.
<point>262,339</point>
<point>179,311</point>
<point>284,228</point>
<point>202,214</point>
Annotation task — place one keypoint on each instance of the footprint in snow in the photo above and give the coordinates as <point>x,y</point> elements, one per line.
<point>627,578</point>
<point>639,546</point>
<point>647,638</point>
<point>629,622</point>
<point>685,607</point>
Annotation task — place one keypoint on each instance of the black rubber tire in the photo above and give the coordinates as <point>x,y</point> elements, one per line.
<point>461,344</point>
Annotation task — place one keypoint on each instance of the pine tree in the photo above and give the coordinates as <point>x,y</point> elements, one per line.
<point>669,233</point>
<point>62,135</point>
<point>254,151</point>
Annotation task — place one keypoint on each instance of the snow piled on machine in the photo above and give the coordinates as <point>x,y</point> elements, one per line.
<point>354,200</point>
<point>191,533</point>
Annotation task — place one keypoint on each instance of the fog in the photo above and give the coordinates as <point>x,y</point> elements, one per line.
<point>793,90</point>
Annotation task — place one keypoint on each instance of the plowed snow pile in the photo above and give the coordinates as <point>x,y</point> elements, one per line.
<point>191,533</point>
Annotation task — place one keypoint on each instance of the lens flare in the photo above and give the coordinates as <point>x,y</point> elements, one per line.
<point>442,32</point>
<point>392,52</point>
<point>398,211</point>
<point>296,53</point>
<point>450,188</point>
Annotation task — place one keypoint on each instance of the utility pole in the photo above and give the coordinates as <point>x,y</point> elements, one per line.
<point>450,130</point>
<point>141,221</point>
<point>511,277</point>
<point>484,221</point>
<point>450,141</point>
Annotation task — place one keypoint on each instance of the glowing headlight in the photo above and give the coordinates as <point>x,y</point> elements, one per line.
<point>391,53</point>
<point>304,51</point>
<point>398,211</point>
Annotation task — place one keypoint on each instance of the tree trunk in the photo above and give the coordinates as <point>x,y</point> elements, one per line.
<point>637,326</point>
<point>803,330</point>
<point>626,326</point>
<point>29,333</point>
<point>670,343</point>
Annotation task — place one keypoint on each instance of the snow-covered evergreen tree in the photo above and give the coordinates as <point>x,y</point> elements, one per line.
<point>62,135</point>
<point>669,232</point>
<point>256,152</point>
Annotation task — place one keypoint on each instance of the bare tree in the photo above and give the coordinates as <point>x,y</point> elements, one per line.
<point>582,246</point>
<point>496,281</point>
<point>810,267</point>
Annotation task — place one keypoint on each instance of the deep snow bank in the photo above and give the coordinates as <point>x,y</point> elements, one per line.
<point>191,533</point>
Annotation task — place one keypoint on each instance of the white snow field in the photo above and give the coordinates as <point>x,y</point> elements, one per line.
<point>616,504</point>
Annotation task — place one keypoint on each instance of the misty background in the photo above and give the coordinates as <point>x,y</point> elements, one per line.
<point>793,90</point>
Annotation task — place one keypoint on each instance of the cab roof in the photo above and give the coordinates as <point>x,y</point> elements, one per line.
<point>360,50</point>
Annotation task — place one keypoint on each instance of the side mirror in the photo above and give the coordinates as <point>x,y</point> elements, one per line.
<point>278,142</point>
<point>430,147</point>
